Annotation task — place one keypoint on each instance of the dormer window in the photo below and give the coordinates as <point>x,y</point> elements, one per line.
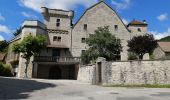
<point>85,27</point>
<point>116,27</point>
<point>58,23</point>
<point>139,30</point>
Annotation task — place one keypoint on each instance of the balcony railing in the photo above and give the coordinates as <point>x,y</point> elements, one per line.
<point>56,59</point>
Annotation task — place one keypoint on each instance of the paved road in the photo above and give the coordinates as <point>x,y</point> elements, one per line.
<point>18,89</point>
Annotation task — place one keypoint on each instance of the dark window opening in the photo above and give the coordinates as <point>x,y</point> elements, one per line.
<point>139,30</point>
<point>83,40</point>
<point>83,51</point>
<point>58,23</point>
<point>116,27</point>
<point>57,38</point>
<point>85,26</point>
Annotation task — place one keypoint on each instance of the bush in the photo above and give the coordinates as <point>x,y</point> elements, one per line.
<point>132,56</point>
<point>5,70</point>
<point>152,57</point>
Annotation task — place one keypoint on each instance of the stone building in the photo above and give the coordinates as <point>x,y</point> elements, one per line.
<point>162,51</point>
<point>61,58</point>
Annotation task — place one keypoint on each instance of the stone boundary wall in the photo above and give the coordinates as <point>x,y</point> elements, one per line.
<point>86,73</point>
<point>127,72</point>
<point>137,72</point>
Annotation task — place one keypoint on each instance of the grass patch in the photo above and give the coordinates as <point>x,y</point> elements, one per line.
<point>141,86</point>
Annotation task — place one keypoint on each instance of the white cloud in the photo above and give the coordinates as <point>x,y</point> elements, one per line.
<point>56,4</point>
<point>121,4</point>
<point>28,15</point>
<point>125,21</point>
<point>1,38</point>
<point>2,18</point>
<point>4,29</point>
<point>161,35</point>
<point>162,17</point>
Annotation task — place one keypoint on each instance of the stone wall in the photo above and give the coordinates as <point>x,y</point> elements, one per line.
<point>128,72</point>
<point>86,74</point>
<point>137,72</point>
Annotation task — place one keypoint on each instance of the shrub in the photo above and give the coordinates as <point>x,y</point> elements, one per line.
<point>5,70</point>
<point>132,56</point>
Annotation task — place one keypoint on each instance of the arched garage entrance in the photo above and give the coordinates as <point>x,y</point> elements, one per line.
<point>57,71</point>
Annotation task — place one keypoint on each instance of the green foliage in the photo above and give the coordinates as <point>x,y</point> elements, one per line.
<point>3,46</point>
<point>165,39</point>
<point>30,46</point>
<point>141,45</point>
<point>5,70</point>
<point>89,55</point>
<point>18,31</point>
<point>132,56</point>
<point>102,44</point>
<point>152,57</point>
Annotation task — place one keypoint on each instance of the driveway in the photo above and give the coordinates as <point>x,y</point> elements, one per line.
<point>11,88</point>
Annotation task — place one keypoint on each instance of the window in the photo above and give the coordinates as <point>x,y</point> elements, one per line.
<point>57,38</point>
<point>139,30</point>
<point>83,51</point>
<point>83,40</point>
<point>116,27</point>
<point>58,23</point>
<point>85,26</point>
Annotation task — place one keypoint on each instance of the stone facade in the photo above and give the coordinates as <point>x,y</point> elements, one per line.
<point>162,51</point>
<point>102,15</point>
<point>64,39</point>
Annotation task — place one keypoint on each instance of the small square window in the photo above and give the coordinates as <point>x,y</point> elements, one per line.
<point>83,40</point>
<point>57,24</point>
<point>85,26</point>
<point>116,27</point>
<point>57,38</point>
<point>58,20</point>
<point>139,30</point>
<point>83,51</point>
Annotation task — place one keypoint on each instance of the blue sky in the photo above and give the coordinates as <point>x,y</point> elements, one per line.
<point>155,12</point>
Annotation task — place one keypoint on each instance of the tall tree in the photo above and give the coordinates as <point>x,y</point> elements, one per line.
<point>29,47</point>
<point>141,45</point>
<point>18,31</point>
<point>102,44</point>
<point>3,46</point>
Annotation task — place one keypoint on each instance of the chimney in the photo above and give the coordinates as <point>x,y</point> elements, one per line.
<point>144,21</point>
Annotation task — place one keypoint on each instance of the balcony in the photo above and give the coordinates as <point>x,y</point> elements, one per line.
<point>57,59</point>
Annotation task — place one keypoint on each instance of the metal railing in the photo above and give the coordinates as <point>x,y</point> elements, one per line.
<point>56,59</point>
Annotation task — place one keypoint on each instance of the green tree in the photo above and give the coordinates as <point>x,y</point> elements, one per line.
<point>29,47</point>
<point>165,39</point>
<point>18,31</point>
<point>3,46</point>
<point>142,44</point>
<point>102,44</point>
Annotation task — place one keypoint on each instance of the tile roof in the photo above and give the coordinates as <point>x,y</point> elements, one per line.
<point>2,56</point>
<point>165,46</point>
<point>135,22</point>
